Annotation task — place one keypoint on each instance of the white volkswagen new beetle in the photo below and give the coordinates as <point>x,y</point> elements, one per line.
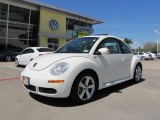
<point>81,67</point>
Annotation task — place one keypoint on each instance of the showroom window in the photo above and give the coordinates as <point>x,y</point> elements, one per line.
<point>34,17</point>
<point>33,30</point>
<point>18,14</point>
<point>2,44</point>
<point>53,43</point>
<point>3,11</point>
<point>3,27</point>
<point>18,27</point>
<point>17,43</point>
<point>76,27</point>
<point>17,31</point>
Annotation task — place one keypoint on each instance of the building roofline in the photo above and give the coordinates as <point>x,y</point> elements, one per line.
<point>95,21</point>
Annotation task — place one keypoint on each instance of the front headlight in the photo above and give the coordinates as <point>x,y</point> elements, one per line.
<point>59,68</point>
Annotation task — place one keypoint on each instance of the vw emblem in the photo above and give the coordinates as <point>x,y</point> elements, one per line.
<point>54,24</point>
<point>34,65</point>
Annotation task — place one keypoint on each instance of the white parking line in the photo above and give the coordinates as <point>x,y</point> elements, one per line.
<point>15,68</point>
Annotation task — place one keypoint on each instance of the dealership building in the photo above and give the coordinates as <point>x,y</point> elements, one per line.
<point>25,23</point>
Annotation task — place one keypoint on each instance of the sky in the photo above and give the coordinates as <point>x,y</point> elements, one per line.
<point>134,19</point>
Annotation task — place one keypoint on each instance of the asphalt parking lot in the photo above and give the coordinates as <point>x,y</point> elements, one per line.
<point>126,101</point>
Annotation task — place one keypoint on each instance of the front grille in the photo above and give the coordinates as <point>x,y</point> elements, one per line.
<point>30,87</point>
<point>47,90</point>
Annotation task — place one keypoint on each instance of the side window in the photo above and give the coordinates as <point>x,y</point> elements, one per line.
<point>112,44</point>
<point>125,48</point>
<point>24,51</point>
<point>30,51</point>
<point>27,51</point>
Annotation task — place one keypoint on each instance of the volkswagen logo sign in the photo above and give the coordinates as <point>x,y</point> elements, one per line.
<point>54,24</point>
<point>34,65</point>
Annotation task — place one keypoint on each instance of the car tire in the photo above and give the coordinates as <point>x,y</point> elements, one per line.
<point>17,63</point>
<point>84,88</point>
<point>143,58</point>
<point>8,58</point>
<point>137,74</point>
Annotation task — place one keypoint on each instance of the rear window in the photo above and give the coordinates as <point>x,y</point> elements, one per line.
<point>45,50</point>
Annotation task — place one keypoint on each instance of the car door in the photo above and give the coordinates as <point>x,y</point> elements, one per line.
<point>127,56</point>
<point>112,65</point>
<point>25,56</point>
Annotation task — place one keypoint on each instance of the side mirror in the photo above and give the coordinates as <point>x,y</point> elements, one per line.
<point>103,51</point>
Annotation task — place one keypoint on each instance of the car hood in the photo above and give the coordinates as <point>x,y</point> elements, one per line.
<point>46,60</point>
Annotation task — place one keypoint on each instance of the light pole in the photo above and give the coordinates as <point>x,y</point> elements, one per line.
<point>158,33</point>
<point>135,47</point>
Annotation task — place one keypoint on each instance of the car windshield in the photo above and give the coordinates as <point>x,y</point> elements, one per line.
<point>78,45</point>
<point>45,50</point>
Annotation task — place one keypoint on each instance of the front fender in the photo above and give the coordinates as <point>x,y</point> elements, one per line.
<point>76,66</point>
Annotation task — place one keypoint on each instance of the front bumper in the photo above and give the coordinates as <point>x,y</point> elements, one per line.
<point>38,84</point>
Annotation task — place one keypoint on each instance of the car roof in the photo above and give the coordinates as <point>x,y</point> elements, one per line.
<point>37,47</point>
<point>103,36</point>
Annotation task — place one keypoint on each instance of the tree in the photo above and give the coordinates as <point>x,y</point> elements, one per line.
<point>128,41</point>
<point>150,46</point>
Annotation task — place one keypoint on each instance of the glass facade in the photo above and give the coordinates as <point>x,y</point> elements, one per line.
<point>77,28</point>
<point>3,11</point>
<point>18,27</point>
<point>53,43</point>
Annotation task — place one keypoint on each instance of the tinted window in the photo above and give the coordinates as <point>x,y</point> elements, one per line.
<point>27,51</point>
<point>53,43</point>
<point>34,17</point>
<point>2,44</point>
<point>30,51</point>
<point>18,14</point>
<point>45,50</point>
<point>140,53</point>
<point>3,11</point>
<point>111,44</point>
<point>24,51</point>
<point>125,48</point>
<point>17,31</point>
<point>3,28</point>
<point>33,32</point>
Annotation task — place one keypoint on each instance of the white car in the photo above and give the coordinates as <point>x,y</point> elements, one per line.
<point>153,56</point>
<point>30,53</point>
<point>81,67</point>
<point>144,56</point>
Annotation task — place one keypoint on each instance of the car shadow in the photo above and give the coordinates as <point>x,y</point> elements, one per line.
<point>66,102</point>
<point>21,66</point>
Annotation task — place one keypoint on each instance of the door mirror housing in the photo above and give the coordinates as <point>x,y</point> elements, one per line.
<point>103,51</point>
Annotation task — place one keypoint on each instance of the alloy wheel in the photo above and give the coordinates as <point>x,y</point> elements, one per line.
<point>143,58</point>
<point>8,58</point>
<point>138,73</point>
<point>86,88</point>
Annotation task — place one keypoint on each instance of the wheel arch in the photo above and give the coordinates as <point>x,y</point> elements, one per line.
<point>86,71</point>
<point>133,69</point>
<point>139,63</point>
<point>135,61</point>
